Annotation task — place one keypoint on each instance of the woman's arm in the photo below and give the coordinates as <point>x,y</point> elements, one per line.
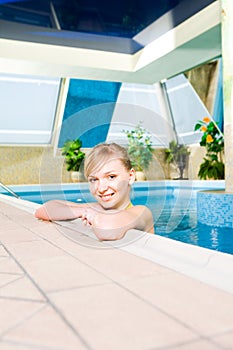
<point>60,210</point>
<point>112,225</point>
<point>106,224</point>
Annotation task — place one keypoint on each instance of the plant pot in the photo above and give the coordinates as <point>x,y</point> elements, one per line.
<point>75,176</point>
<point>140,176</point>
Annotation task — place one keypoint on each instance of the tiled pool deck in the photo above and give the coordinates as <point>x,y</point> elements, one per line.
<point>63,290</point>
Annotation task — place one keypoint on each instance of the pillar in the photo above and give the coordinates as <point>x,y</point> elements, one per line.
<point>227,59</point>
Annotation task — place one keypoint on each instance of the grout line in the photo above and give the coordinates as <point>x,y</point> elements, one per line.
<point>12,281</point>
<point>77,288</point>
<point>48,300</point>
<point>201,337</point>
<point>30,346</point>
<point>187,343</point>
<point>11,273</point>
<point>128,290</point>
<point>22,299</point>
<point>17,324</point>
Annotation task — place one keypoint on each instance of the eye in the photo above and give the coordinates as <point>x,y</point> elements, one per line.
<point>92,180</point>
<point>112,177</point>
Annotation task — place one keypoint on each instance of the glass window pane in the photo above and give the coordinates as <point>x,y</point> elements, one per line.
<point>28,107</point>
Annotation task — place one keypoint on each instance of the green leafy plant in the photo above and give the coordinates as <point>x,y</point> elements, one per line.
<point>213,140</point>
<point>73,154</point>
<point>139,147</point>
<point>177,154</point>
<point>210,169</point>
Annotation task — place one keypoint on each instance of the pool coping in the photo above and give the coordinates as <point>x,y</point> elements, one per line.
<point>208,266</point>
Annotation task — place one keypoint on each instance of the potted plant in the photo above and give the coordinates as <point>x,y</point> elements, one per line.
<point>73,157</point>
<point>212,167</point>
<point>139,150</point>
<point>177,154</point>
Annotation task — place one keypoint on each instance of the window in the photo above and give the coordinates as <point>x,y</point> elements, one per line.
<point>28,108</point>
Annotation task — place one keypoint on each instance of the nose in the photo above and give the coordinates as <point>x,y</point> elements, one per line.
<point>102,185</point>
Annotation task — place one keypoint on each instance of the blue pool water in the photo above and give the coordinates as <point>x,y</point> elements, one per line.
<point>173,208</point>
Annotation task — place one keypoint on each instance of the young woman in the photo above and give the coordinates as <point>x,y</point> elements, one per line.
<point>110,175</point>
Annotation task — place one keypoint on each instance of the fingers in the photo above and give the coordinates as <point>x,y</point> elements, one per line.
<point>87,218</point>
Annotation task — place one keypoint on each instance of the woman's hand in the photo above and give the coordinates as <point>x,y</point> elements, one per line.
<point>88,216</point>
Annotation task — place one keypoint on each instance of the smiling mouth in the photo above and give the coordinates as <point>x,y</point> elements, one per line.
<point>106,197</point>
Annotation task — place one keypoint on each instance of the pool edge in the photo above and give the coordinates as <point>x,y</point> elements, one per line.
<point>208,266</point>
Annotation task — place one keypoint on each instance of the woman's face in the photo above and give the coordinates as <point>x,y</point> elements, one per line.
<point>110,185</point>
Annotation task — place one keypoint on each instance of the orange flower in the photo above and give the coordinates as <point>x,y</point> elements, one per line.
<point>209,139</point>
<point>206,120</point>
<point>203,128</point>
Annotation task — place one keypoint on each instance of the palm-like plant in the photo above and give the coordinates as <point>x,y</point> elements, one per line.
<point>73,154</point>
<point>177,154</point>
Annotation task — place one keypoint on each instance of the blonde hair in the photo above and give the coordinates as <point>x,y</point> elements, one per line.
<point>100,154</point>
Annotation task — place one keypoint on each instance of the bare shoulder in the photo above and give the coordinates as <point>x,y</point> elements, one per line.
<point>141,209</point>
<point>145,216</point>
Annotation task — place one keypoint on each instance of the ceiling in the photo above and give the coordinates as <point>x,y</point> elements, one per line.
<point>120,18</point>
<point>135,41</point>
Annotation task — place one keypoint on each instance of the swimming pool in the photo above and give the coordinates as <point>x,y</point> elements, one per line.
<point>173,204</point>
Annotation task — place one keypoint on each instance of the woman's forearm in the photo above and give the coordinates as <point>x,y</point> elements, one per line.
<point>59,210</point>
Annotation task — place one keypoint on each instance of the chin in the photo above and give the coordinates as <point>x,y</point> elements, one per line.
<point>107,205</point>
<point>112,204</point>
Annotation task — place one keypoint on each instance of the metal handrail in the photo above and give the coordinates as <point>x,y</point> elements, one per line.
<point>9,190</point>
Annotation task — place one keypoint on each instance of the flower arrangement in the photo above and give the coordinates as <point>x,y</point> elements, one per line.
<point>139,147</point>
<point>213,140</point>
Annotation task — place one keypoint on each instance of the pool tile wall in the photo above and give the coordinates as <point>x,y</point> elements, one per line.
<point>215,208</point>
<point>31,165</point>
<point>35,165</point>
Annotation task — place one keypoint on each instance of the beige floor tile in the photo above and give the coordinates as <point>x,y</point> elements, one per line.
<point>21,288</point>
<point>14,312</point>
<point>63,272</point>
<point>113,263</point>
<point>225,340</point>
<point>4,218</point>
<point>2,215</point>
<point>25,252</point>
<point>7,226</point>
<point>78,248</point>
<point>164,309</point>
<point>86,236</point>
<point>8,345</point>
<point>81,235</point>
<point>110,318</point>
<point>29,222</point>
<point>205,309</point>
<point>17,235</point>
<point>6,278</point>
<point>3,252</point>
<point>47,329</point>
<point>47,230</point>
<point>3,258</point>
<point>7,264</point>
<point>11,211</point>
<point>78,237</point>
<point>197,345</point>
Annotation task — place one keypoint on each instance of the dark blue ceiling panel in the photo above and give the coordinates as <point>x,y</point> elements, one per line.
<point>122,18</point>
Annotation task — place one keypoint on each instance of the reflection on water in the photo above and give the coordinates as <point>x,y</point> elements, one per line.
<point>175,217</point>
<point>188,230</point>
